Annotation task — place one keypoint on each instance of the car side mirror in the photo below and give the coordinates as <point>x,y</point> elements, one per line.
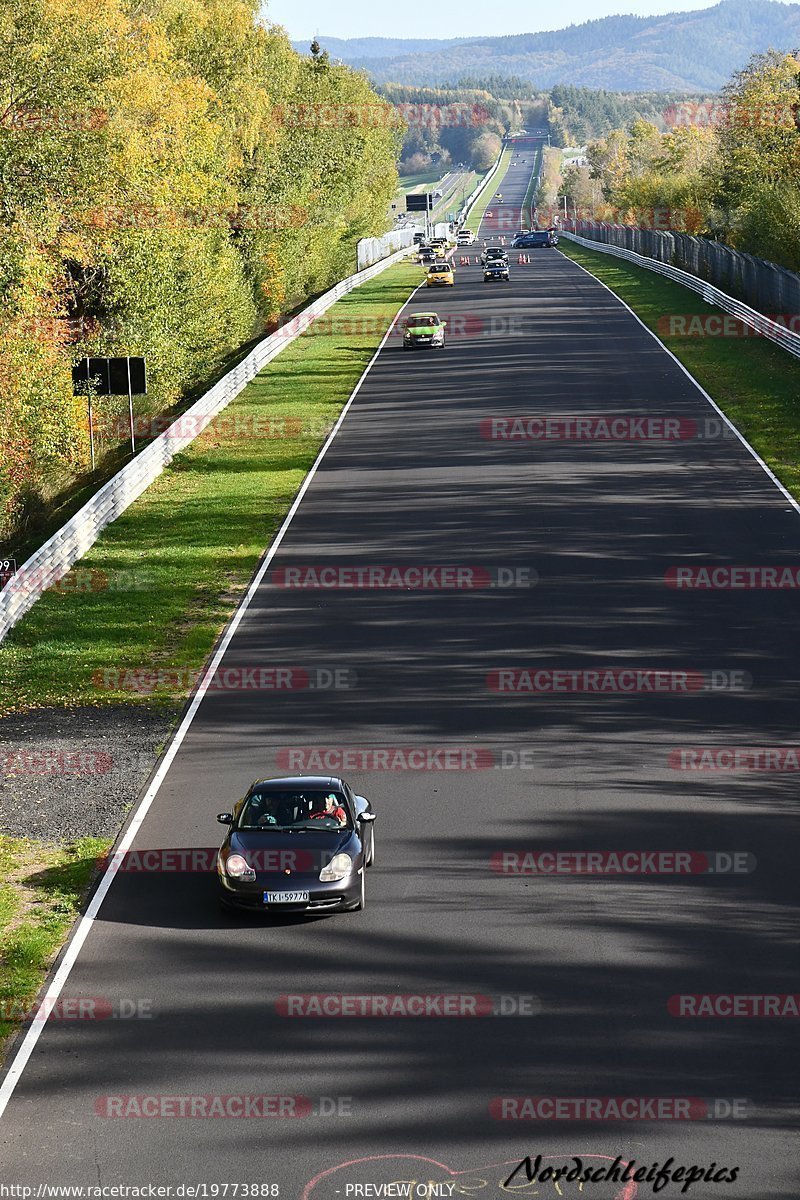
<point>444,324</point>
<point>366,816</point>
<point>225,818</point>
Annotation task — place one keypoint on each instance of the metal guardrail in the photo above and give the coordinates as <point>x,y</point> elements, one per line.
<point>55,557</point>
<point>756,321</point>
<point>763,285</point>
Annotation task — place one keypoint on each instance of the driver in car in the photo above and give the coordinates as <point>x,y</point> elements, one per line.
<point>267,812</point>
<point>332,809</point>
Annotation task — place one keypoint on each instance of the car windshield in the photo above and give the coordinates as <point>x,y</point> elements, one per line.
<point>438,267</point>
<point>277,811</point>
<point>425,320</point>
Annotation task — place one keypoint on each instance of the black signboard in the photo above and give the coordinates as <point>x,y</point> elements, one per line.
<point>110,376</point>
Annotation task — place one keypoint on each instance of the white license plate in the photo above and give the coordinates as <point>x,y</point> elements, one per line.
<point>286,897</point>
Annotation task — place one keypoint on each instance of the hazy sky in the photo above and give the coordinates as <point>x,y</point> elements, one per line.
<point>469,18</point>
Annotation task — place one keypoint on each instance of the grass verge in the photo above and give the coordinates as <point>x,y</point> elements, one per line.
<point>529,203</point>
<point>42,893</point>
<point>753,381</point>
<point>154,592</point>
<point>455,195</point>
<point>416,183</point>
<point>484,199</point>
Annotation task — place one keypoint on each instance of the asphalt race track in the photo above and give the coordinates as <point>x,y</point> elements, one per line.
<point>582,534</point>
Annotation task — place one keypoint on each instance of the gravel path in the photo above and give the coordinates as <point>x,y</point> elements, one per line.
<point>68,773</point>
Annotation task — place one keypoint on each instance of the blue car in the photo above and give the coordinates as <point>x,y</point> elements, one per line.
<point>535,239</point>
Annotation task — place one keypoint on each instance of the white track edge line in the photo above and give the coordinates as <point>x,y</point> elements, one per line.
<point>787,495</point>
<point>86,922</point>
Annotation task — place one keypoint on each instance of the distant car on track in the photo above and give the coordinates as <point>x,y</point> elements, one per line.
<point>299,844</point>
<point>424,329</point>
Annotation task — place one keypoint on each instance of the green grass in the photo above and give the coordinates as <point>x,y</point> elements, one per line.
<point>42,894</point>
<point>425,180</point>
<point>484,199</point>
<point>530,194</point>
<point>415,183</point>
<point>752,380</point>
<point>159,585</point>
<point>451,200</point>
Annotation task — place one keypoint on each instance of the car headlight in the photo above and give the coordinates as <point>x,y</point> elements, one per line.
<point>339,866</point>
<point>237,867</point>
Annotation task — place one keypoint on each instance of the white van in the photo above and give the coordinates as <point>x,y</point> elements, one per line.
<point>465,237</point>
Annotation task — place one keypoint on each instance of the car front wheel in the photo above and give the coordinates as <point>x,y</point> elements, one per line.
<point>361,903</point>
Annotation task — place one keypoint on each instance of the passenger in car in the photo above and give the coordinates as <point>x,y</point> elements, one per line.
<point>332,809</point>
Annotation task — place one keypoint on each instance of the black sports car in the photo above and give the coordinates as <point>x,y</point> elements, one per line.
<point>297,845</point>
<point>496,268</point>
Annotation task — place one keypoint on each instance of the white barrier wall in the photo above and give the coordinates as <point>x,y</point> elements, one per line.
<point>373,250</point>
<point>52,560</point>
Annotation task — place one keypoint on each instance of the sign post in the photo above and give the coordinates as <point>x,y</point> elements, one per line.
<point>91,426</point>
<point>421,202</point>
<point>130,407</point>
<point>110,377</point>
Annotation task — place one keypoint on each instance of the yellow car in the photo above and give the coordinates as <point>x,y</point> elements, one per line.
<point>440,275</point>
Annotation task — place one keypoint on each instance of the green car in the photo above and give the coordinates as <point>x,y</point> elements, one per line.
<point>423,329</point>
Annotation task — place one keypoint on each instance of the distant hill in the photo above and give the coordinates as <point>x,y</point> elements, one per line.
<point>377,47</point>
<point>687,51</point>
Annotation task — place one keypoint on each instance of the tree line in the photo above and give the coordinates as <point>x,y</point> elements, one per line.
<point>173,178</point>
<point>727,167</point>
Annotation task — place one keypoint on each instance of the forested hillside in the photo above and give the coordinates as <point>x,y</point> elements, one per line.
<point>681,51</point>
<point>172,179</point>
<point>463,123</point>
